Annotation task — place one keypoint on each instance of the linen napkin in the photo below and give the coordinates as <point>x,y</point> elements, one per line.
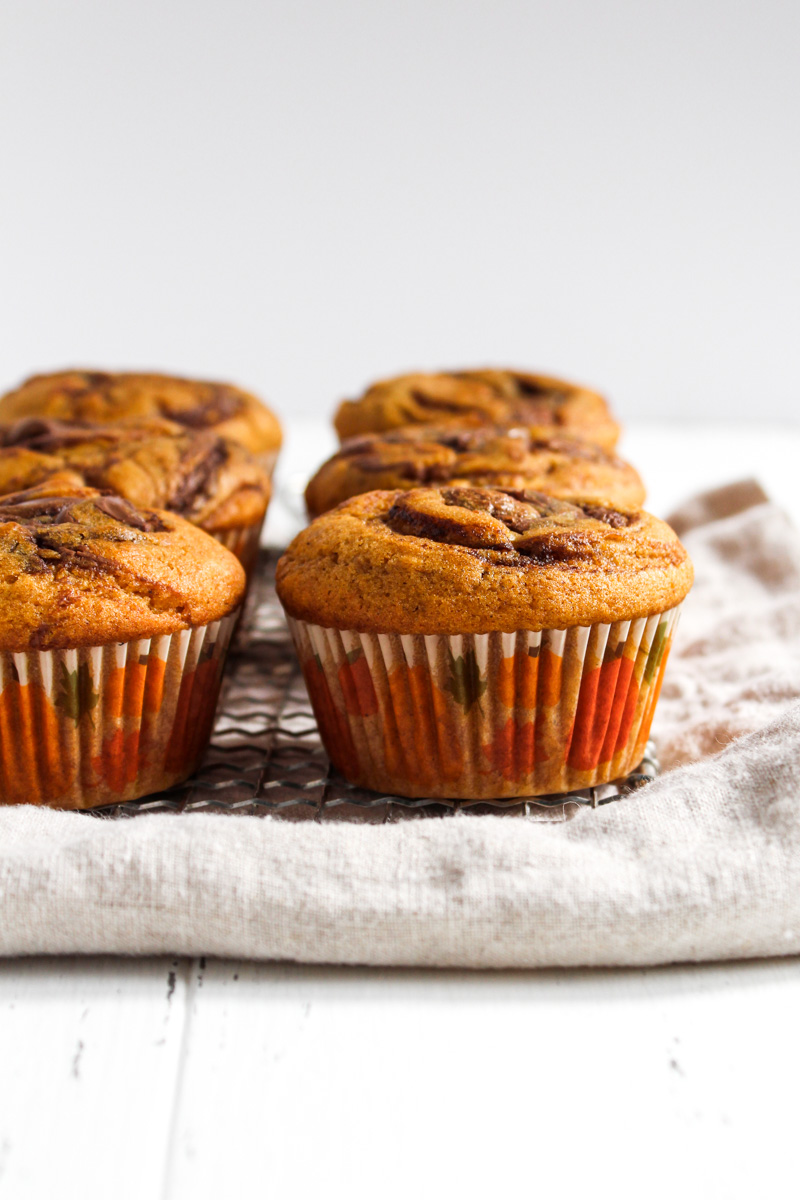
<point>702,864</point>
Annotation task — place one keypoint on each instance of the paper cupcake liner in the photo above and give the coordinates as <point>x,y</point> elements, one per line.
<point>486,716</point>
<point>243,541</point>
<point>101,724</point>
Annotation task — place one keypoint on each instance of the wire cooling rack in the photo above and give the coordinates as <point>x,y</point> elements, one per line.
<point>266,756</point>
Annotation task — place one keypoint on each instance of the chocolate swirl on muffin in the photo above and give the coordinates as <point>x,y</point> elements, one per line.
<point>31,507</point>
<point>100,702</point>
<point>102,397</point>
<point>82,567</point>
<point>486,456</point>
<point>49,531</point>
<point>529,524</point>
<point>209,480</point>
<point>475,560</point>
<point>46,434</point>
<point>500,397</point>
<point>220,402</point>
<point>97,394</point>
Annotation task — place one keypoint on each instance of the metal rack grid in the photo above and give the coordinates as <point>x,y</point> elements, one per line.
<point>265,755</point>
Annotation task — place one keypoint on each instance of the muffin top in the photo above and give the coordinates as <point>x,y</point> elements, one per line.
<point>97,396</point>
<point>539,402</point>
<point>155,463</point>
<point>486,456</point>
<point>478,560</point>
<point>79,568</point>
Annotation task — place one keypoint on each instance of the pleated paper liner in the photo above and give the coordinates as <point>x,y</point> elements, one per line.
<point>243,541</point>
<point>103,724</point>
<point>486,716</point>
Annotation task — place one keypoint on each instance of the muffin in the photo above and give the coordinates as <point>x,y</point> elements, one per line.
<point>209,480</point>
<point>487,456</point>
<point>538,402</point>
<point>102,398</point>
<point>114,624</point>
<point>480,643</point>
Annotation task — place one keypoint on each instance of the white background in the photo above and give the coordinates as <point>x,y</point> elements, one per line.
<point>302,195</point>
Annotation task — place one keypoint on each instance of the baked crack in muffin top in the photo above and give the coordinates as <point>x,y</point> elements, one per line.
<point>477,560</point>
<point>486,456</point>
<point>79,567</point>
<point>541,403</point>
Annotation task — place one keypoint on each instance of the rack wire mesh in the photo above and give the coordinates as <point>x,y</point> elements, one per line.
<point>266,757</point>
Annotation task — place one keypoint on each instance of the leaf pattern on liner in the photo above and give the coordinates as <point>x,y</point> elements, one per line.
<point>466,684</point>
<point>76,695</point>
<point>489,716</point>
<point>85,727</point>
<point>657,651</point>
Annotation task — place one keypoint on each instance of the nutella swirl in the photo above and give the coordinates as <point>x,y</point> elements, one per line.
<point>374,452</point>
<point>32,508</point>
<point>200,464</point>
<point>44,434</point>
<point>57,531</point>
<point>465,560</point>
<point>123,511</point>
<point>526,525</point>
<point>480,397</point>
<point>527,398</point>
<point>89,396</point>
<point>133,400</point>
<point>509,458</point>
<point>152,462</point>
<point>83,566</point>
<point>221,404</point>
<point>26,509</point>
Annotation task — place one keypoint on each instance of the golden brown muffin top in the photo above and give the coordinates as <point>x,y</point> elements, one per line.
<point>477,560</point>
<point>102,397</point>
<point>79,568</point>
<point>496,397</point>
<point>213,482</point>
<point>486,456</point>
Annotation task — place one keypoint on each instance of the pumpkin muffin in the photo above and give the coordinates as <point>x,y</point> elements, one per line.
<point>212,482</point>
<point>114,624</point>
<point>486,456</point>
<point>540,403</point>
<point>480,643</point>
<point>99,397</point>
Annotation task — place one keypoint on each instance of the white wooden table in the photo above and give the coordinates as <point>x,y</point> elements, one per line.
<point>174,1078</point>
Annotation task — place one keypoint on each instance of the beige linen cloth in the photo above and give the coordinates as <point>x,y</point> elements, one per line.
<point>702,864</point>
